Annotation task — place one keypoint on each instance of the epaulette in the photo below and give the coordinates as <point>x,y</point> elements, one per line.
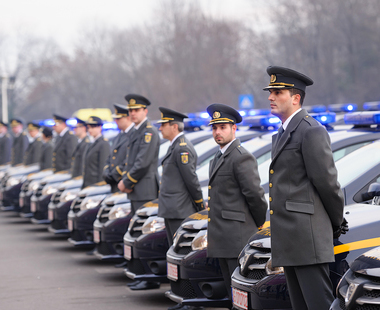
<point>182,143</point>
<point>310,120</point>
<point>38,139</point>
<point>24,134</point>
<point>149,126</point>
<point>105,139</point>
<point>240,149</point>
<point>71,133</point>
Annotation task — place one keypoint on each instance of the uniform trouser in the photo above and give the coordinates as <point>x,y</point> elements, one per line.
<point>135,204</point>
<point>309,287</point>
<point>227,266</point>
<point>171,226</point>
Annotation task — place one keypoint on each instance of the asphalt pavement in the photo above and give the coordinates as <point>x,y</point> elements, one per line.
<point>41,271</point>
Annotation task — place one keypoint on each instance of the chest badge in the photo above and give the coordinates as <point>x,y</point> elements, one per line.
<point>185,158</point>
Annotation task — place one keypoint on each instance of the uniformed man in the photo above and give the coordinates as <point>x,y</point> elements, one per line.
<point>80,131</point>
<point>64,145</point>
<point>180,193</point>
<point>33,152</point>
<point>96,153</point>
<point>140,175</point>
<point>47,148</point>
<point>236,206</point>
<point>113,170</point>
<point>20,142</point>
<point>306,202</point>
<point>5,144</point>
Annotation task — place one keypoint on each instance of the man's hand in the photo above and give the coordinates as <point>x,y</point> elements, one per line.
<point>342,229</point>
<point>122,187</point>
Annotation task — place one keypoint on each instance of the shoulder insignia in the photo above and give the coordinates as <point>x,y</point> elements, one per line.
<point>185,158</point>
<point>182,143</point>
<point>24,134</point>
<point>105,139</point>
<point>71,133</point>
<point>148,137</point>
<point>240,149</point>
<point>149,126</point>
<point>38,139</point>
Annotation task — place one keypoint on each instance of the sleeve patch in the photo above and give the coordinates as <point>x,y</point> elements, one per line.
<point>148,137</point>
<point>185,158</point>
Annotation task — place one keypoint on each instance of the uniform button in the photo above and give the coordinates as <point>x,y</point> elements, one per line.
<point>208,209</point>
<point>53,159</point>
<point>271,171</point>
<point>270,184</point>
<point>112,165</point>
<point>271,212</point>
<point>115,151</point>
<point>270,199</point>
<point>113,157</point>
<point>209,219</point>
<point>209,198</point>
<point>54,153</point>
<point>209,187</point>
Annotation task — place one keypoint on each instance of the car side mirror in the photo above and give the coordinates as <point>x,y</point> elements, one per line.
<point>373,191</point>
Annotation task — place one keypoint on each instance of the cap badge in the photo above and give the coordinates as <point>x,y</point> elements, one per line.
<point>273,78</point>
<point>132,101</point>
<point>216,114</point>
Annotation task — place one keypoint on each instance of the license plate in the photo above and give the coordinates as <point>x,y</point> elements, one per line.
<point>96,236</point>
<point>172,272</point>
<point>33,206</point>
<point>240,299</point>
<point>127,252</point>
<point>21,202</point>
<point>70,225</point>
<point>51,215</point>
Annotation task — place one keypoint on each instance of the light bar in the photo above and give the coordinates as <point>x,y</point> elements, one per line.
<point>343,107</point>
<point>261,121</point>
<point>109,125</point>
<point>363,118</point>
<point>259,112</point>
<point>324,118</point>
<point>371,106</point>
<point>72,122</point>
<point>316,108</point>
<point>47,123</point>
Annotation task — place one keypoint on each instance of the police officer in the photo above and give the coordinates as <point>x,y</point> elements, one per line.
<point>20,142</point>
<point>180,193</point>
<point>140,175</point>
<point>306,202</point>
<point>113,170</point>
<point>47,148</point>
<point>33,152</point>
<point>65,143</point>
<point>80,131</point>
<point>5,144</point>
<point>96,153</point>
<point>236,206</point>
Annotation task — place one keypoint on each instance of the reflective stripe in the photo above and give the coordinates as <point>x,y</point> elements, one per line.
<point>362,244</point>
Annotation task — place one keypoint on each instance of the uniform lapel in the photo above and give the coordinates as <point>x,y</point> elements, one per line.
<point>170,149</point>
<point>60,140</point>
<point>279,145</point>
<point>221,159</point>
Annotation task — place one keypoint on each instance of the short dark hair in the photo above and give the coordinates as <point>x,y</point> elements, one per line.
<point>296,91</point>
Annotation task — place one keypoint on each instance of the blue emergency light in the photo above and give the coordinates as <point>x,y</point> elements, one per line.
<point>316,108</point>
<point>109,126</point>
<point>72,122</point>
<point>362,118</point>
<point>371,106</point>
<point>47,122</point>
<point>343,107</point>
<point>258,121</point>
<point>324,118</point>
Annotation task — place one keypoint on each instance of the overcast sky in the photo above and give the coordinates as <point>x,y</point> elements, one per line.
<point>62,19</point>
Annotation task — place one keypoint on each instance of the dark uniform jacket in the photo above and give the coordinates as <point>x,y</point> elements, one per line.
<point>113,169</point>
<point>94,160</point>
<point>46,158</point>
<point>19,147</point>
<point>237,206</point>
<point>305,196</point>
<point>140,171</point>
<point>5,149</point>
<point>63,151</point>
<point>78,158</point>
<point>180,193</point>
<point>33,152</point>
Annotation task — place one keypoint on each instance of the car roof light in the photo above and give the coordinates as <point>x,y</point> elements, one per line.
<point>109,125</point>
<point>371,106</point>
<point>363,118</point>
<point>71,122</point>
<point>261,121</point>
<point>47,122</point>
<point>324,118</point>
<point>259,112</point>
<point>204,115</point>
<point>343,107</point>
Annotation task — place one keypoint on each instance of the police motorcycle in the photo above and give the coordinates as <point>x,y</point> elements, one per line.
<point>145,242</point>
<point>258,285</point>
<point>187,258</point>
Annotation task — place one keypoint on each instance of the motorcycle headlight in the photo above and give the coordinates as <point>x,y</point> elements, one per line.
<point>273,270</point>
<point>12,181</point>
<point>153,224</point>
<point>68,195</point>
<point>200,241</point>
<point>91,202</point>
<point>119,211</point>
<point>50,189</point>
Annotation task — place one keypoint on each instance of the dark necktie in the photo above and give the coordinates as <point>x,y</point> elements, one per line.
<point>280,132</point>
<point>216,158</point>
